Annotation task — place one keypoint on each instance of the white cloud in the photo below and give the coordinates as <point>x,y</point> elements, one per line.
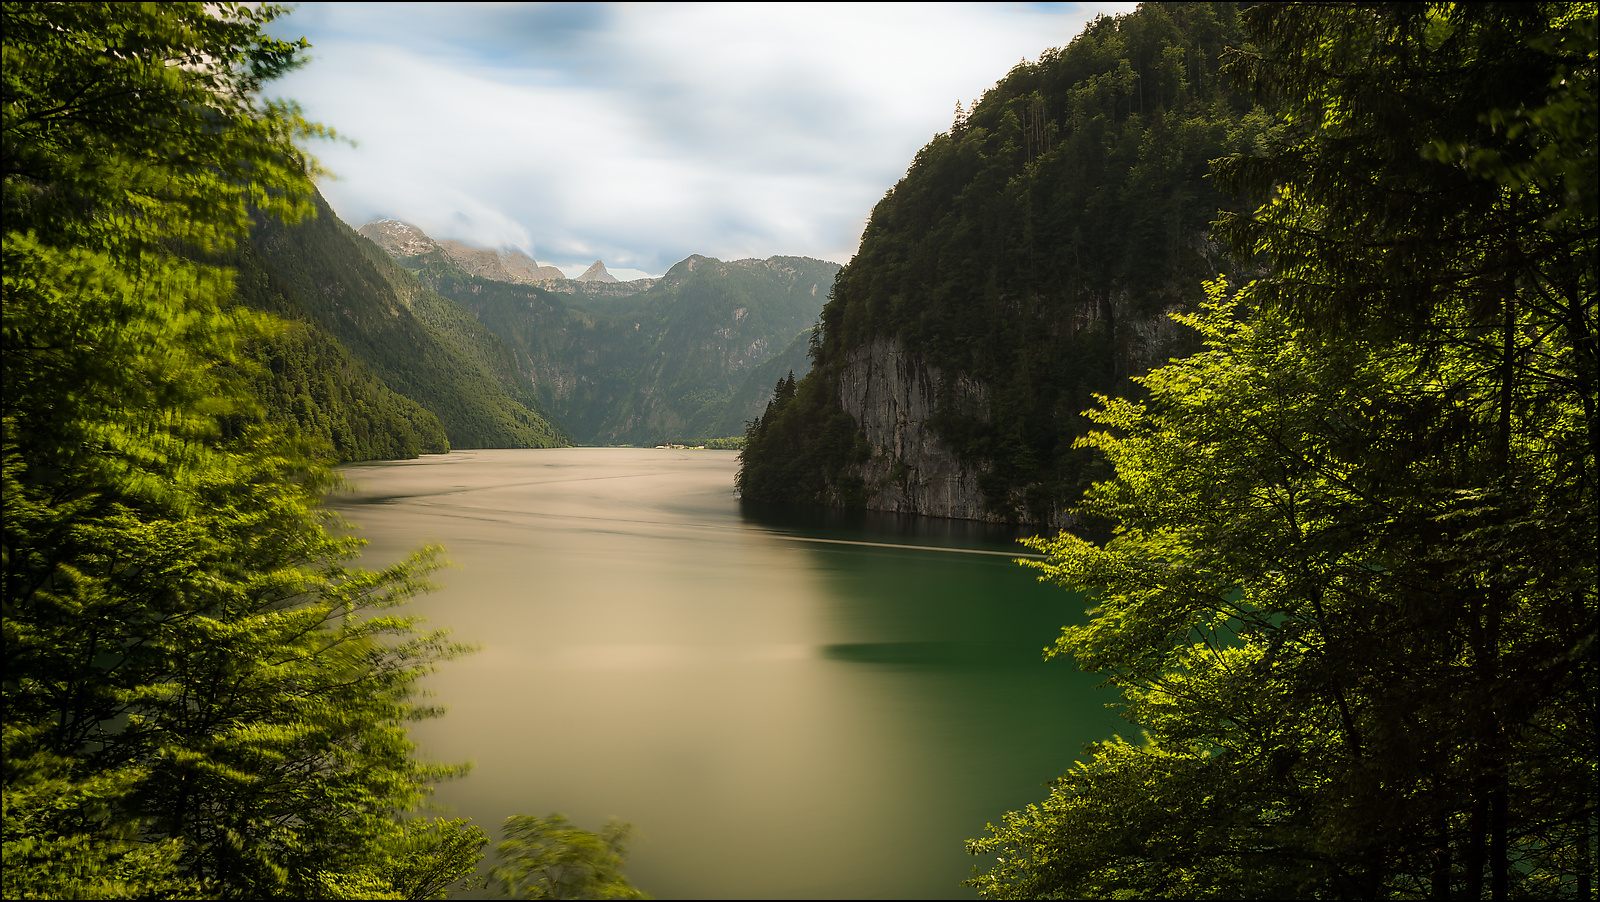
<point>639,134</point>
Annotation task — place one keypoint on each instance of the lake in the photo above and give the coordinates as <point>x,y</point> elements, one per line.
<point>785,703</point>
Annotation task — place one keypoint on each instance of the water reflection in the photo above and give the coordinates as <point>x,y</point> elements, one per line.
<point>933,531</point>
<point>787,703</point>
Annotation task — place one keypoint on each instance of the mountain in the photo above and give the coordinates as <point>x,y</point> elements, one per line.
<point>597,273</point>
<point>311,384</point>
<point>368,316</point>
<point>503,265</point>
<point>600,294</point>
<point>522,267</point>
<point>750,399</point>
<point>399,237</point>
<point>659,362</point>
<point>1026,262</point>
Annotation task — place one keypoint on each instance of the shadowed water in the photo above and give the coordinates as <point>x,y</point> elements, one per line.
<point>787,704</point>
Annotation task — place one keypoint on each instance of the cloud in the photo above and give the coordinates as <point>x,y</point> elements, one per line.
<point>639,134</point>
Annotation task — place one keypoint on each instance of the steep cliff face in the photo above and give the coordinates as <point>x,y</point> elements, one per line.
<point>896,399</point>
<point>892,395</point>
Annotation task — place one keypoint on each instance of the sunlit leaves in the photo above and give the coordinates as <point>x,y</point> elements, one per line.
<point>549,858</point>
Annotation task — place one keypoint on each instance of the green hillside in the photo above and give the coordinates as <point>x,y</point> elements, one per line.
<point>749,400</point>
<point>663,371</point>
<point>1033,249</point>
<point>304,378</point>
<point>458,328</point>
<point>319,266</point>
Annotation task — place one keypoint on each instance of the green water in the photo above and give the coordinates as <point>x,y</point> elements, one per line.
<point>785,704</point>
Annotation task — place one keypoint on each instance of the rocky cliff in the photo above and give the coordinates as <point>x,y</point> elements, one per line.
<point>403,240</point>
<point>501,265</point>
<point>593,289</point>
<point>892,395</point>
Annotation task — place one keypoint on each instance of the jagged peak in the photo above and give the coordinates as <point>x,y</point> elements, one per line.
<point>597,273</point>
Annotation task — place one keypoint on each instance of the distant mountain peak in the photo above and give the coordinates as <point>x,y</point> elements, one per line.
<point>400,239</point>
<point>596,273</point>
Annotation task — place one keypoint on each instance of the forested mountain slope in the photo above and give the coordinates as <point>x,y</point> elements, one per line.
<point>1025,262</point>
<point>661,364</point>
<point>308,382</point>
<point>318,274</point>
<point>749,401</point>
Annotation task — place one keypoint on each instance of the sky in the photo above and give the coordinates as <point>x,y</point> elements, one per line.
<point>639,134</point>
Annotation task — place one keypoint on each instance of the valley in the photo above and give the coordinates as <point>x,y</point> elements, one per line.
<point>428,345</point>
<point>1269,330</point>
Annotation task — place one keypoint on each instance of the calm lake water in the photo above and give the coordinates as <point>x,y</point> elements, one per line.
<point>785,704</point>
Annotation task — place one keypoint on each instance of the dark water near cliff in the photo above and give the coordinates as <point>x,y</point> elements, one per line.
<point>784,704</point>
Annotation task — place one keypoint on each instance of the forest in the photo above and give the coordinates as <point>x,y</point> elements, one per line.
<point>1292,305</point>
<point>1350,593</point>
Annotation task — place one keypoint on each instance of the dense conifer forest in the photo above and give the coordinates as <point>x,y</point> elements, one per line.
<point>1350,600</point>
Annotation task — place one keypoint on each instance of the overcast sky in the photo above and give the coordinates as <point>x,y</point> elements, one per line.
<point>639,134</point>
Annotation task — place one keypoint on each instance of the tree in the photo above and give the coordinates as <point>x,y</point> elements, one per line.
<point>1352,593</point>
<point>200,697</point>
<point>1287,607</point>
<point>548,858</point>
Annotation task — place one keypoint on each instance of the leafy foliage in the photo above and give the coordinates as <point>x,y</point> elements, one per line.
<point>200,698</point>
<point>1352,595</point>
<point>548,858</point>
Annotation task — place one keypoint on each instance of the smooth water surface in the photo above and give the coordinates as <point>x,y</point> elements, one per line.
<point>785,705</point>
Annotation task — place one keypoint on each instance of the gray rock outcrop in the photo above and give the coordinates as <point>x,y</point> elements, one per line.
<point>400,239</point>
<point>891,395</point>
